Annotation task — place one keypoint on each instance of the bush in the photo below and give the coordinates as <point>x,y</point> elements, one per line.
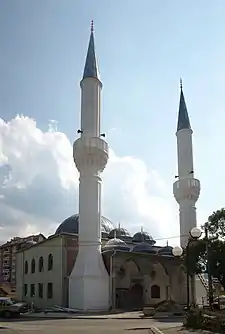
<point>194,318</point>
<point>197,319</point>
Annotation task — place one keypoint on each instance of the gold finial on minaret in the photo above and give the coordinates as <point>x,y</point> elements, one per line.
<point>92,26</point>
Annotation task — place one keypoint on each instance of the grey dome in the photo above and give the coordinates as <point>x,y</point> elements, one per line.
<point>116,244</point>
<point>71,225</point>
<point>143,237</point>
<point>167,251</point>
<point>119,232</point>
<point>144,247</point>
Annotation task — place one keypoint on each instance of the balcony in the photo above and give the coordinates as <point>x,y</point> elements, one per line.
<point>90,152</point>
<point>6,271</point>
<point>187,188</point>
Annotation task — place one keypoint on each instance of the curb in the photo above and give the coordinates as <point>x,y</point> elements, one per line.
<point>155,330</point>
<point>79,317</point>
<point>74,317</point>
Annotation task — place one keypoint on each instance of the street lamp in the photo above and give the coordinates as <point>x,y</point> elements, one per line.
<point>177,251</point>
<point>195,233</point>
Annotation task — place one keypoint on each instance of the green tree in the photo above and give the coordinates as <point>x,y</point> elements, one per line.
<point>216,224</point>
<point>197,251</point>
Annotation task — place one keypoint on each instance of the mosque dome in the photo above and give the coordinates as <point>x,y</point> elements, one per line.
<point>119,232</point>
<point>71,225</point>
<point>143,237</point>
<point>144,247</point>
<point>116,244</point>
<point>166,251</point>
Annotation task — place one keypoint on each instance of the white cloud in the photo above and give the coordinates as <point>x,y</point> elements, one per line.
<point>39,185</point>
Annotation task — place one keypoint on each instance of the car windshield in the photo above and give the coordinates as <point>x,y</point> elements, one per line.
<point>9,301</point>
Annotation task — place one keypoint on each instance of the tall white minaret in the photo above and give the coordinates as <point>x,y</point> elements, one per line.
<point>89,279</point>
<point>186,189</point>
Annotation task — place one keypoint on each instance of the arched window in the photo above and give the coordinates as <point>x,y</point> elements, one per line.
<point>50,262</point>
<point>33,266</point>
<point>155,291</point>
<point>26,267</point>
<point>41,264</point>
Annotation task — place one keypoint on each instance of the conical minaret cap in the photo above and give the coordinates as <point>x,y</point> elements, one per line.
<point>183,118</point>
<point>91,66</point>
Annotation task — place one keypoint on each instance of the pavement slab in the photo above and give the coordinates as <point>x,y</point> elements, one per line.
<point>85,326</point>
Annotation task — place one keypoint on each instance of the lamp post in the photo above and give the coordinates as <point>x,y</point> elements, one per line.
<point>178,252</point>
<point>195,234</point>
<point>210,284</point>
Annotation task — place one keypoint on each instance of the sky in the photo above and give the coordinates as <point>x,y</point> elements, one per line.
<point>143,49</point>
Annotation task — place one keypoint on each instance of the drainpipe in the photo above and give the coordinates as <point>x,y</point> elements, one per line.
<point>111,285</point>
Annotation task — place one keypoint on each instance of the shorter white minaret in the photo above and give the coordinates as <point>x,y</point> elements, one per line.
<point>89,279</point>
<point>186,189</point>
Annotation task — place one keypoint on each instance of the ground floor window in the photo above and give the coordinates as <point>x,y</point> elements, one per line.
<point>50,290</point>
<point>167,292</point>
<point>32,290</point>
<point>25,290</point>
<point>40,290</point>
<point>155,291</point>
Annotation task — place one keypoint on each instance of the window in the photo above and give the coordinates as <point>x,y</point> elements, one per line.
<point>167,292</point>
<point>50,262</point>
<point>25,290</point>
<point>40,290</point>
<point>33,266</point>
<point>155,291</point>
<point>50,291</point>
<point>32,290</point>
<point>25,267</point>
<point>41,264</point>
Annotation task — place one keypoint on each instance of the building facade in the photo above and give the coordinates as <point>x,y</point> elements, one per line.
<point>139,272</point>
<point>8,257</point>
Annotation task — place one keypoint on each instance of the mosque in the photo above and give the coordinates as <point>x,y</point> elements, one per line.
<point>90,265</point>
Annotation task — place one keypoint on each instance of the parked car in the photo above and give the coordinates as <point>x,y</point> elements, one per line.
<point>10,308</point>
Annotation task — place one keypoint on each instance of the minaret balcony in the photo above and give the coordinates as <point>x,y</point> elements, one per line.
<point>90,151</point>
<point>186,189</point>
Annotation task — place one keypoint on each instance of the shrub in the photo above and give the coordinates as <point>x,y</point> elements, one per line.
<point>194,318</point>
<point>197,319</point>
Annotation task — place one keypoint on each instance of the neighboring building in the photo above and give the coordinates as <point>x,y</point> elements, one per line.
<point>8,257</point>
<point>140,273</point>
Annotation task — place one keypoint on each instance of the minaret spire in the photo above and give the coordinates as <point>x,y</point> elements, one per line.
<point>183,118</point>
<point>91,65</point>
<point>187,188</point>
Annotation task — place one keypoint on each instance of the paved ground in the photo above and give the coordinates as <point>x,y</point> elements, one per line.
<point>124,323</point>
<point>85,326</point>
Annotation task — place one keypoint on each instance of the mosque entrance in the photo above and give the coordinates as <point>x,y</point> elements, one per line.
<point>136,296</point>
<point>131,299</point>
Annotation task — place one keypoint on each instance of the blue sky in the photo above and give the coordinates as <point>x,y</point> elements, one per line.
<point>143,49</point>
